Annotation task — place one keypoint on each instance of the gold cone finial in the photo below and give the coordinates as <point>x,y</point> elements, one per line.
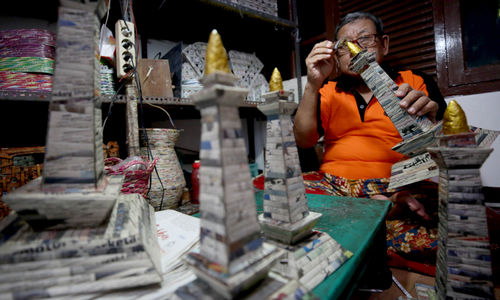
<point>216,57</point>
<point>275,83</point>
<point>353,48</point>
<point>454,120</point>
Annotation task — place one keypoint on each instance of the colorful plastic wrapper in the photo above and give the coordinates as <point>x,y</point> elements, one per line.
<point>16,37</point>
<point>28,50</point>
<point>27,64</point>
<point>19,81</point>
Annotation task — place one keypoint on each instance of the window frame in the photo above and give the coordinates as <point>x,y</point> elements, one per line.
<point>454,77</point>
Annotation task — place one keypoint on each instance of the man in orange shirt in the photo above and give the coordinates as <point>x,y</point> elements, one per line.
<point>358,136</point>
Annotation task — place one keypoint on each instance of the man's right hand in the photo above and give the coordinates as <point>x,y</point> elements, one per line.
<point>320,63</point>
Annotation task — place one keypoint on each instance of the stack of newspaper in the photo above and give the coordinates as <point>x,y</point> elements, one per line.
<point>124,253</point>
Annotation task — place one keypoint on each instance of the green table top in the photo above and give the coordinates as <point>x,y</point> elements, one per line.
<point>353,222</point>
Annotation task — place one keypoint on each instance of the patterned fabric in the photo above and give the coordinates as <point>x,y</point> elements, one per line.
<point>324,183</point>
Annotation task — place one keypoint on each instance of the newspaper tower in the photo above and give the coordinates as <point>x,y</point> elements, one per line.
<point>284,192</point>
<point>111,243</point>
<point>463,269</point>
<point>287,220</point>
<point>417,132</point>
<point>74,162</point>
<point>232,254</point>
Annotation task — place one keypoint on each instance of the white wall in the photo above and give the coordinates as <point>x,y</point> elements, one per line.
<point>483,110</point>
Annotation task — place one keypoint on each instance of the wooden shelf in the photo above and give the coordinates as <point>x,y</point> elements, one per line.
<point>24,96</point>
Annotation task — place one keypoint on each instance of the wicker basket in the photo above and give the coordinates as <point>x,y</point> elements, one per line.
<point>136,171</point>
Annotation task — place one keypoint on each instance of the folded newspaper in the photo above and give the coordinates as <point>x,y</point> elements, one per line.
<point>422,167</point>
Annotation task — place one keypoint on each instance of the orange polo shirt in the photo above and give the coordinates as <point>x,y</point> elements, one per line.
<point>357,149</point>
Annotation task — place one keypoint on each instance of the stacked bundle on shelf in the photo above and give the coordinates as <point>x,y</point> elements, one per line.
<point>245,66</point>
<point>107,80</point>
<point>264,6</point>
<point>26,60</point>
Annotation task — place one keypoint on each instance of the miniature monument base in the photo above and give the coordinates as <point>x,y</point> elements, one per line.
<point>312,260</point>
<point>418,144</point>
<point>54,206</point>
<point>123,253</point>
<point>289,233</point>
<point>461,140</point>
<point>454,158</point>
<point>228,286</point>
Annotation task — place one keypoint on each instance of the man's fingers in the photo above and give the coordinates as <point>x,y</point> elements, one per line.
<point>430,108</point>
<point>317,58</point>
<point>403,90</point>
<point>417,208</point>
<point>415,101</point>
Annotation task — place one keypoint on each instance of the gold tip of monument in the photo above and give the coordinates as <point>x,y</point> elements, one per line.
<point>353,48</point>
<point>454,119</point>
<point>216,57</point>
<point>275,83</point>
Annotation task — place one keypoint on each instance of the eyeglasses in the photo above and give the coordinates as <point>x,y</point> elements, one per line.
<point>366,41</point>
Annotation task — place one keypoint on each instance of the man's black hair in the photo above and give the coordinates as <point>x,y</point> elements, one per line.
<point>351,17</point>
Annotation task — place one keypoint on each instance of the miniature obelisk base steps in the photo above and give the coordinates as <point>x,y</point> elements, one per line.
<point>286,221</point>
<point>463,269</point>
<point>73,169</point>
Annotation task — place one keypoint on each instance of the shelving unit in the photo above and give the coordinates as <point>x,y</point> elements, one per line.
<point>271,38</point>
<point>20,96</point>
<point>251,12</point>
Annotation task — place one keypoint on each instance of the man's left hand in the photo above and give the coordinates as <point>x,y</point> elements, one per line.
<point>416,102</point>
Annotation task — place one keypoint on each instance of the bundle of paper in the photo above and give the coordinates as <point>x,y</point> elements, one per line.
<point>273,287</point>
<point>412,170</point>
<point>124,253</point>
<point>311,260</point>
<point>177,234</point>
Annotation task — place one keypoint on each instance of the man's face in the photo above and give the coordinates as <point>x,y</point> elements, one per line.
<point>361,29</point>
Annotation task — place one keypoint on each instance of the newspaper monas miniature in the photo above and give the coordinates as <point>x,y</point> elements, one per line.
<point>463,268</point>
<point>286,221</point>
<point>232,254</point>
